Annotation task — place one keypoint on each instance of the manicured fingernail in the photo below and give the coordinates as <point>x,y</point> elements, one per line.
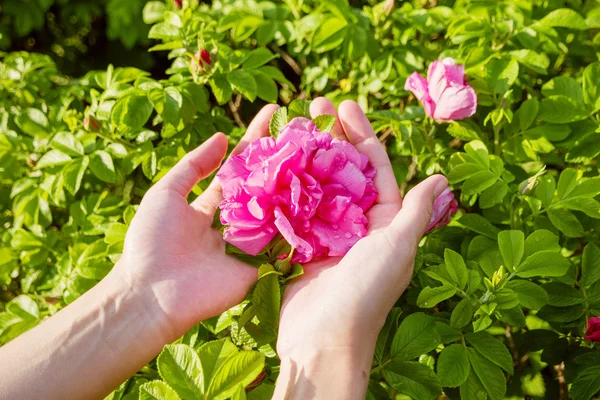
<point>440,187</point>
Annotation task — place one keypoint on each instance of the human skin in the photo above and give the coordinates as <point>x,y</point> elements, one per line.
<point>174,273</point>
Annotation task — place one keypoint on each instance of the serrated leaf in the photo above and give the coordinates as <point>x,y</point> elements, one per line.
<point>240,369</point>
<point>512,247</point>
<point>562,295</point>
<point>456,267</point>
<point>590,265</point>
<point>179,366</point>
<point>529,294</point>
<point>212,355</point>
<point>453,365</point>
<point>299,108</point>
<point>543,263</point>
<point>430,297</point>
<point>490,376</point>
<point>67,143</point>
<point>415,336</point>
<point>586,384</point>
<point>278,121</point>
<point>324,122</point>
<point>53,158</point>
<point>413,378</point>
<point>479,224</point>
<point>101,164</point>
<point>244,83</point>
<point>564,18</point>
<point>566,222</point>
<point>462,313</point>
<point>492,349</point>
<point>157,390</point>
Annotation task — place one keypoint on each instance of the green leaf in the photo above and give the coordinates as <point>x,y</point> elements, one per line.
<point>561,314</point>
<point>240,369</point>
<point>246,27</point>
<point>512,247</point>
<point>413,379</point>
<point>529,294</point>
<point>473,389</point>
<point>266,88</point>
<point>101,164</point>
<point>591,85</point>
<point>479,224</point>
<point>299,108</point>
<point>490,376</point>
<point>453,365</point>
<point>541,240</point>
<point>131,112</point>
<point>563,86</point>
<point>462,172</point>
<point>545,189</point>
<point>153,12</point>
<point>492,349</point>
<point>462,314</point>
<point>561,110</point>
<point>53,158</point>
<point>587,188</point>
<point>266,299</point>
<point>266,32</point>
<point>324,122</point>
<point>586,384</point>
<point>23,307</point>
<point>590,265</point>
<point>329,35</point>
<point>278,121</point>
<point>244,83</point>
<point>33,122</point>
<point>157,390</point>
<point>566,222</point>
<point>543,263</point>
<point>115,233</point>
<point>456,267</point>
<point>478,152</point>
<point>149,165</point>
<point>463,130</point>
<point>562,295</point>
<point>167,103</point>
<point>415,336</point>
<point>221,88</point>
<point>527,113</point>
<point>430,297</point>
<point>566,183</point>
<point>481,323</point>
<point>501,74</point>
<point>478,182</point>
<point>564,18</point>
<point>212,355</point>
<point>67,143</point>
<point>258,57</point>
<point>179,366</point>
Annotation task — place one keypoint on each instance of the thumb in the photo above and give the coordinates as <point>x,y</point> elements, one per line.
<point>412,220</point>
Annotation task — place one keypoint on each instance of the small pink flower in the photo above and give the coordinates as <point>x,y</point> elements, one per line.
<point>312,189</point>
<point>443,208</point>
<point>593,330</point>
<point>445,95</point>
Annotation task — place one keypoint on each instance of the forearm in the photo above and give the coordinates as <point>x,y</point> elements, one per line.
<point>87,349</point>
<point>335,373</point>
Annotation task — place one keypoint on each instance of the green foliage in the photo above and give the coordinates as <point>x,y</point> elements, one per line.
<point>499,300</point>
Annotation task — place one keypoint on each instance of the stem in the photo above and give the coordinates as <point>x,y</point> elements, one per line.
<point>289,60</point>
<point>496,140</point>
<point>234,107</point>
<point>380,367</point>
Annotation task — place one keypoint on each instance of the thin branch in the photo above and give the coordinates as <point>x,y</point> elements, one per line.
<point>289,60</point>
<point>412,171</point>
<point>234,107</point>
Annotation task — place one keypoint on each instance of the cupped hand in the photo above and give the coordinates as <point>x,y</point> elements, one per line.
<point>172,256</point>
<point>343,302</point>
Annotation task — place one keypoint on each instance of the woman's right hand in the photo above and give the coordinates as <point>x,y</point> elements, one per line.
<point>331,315</point>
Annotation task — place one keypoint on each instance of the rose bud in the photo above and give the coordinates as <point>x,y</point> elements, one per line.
<point>593,330</point>
<point>444,94</point>
<point>205,55</point>
<point>90,124</point>
<point>178,3</point>
<point>443,208</point>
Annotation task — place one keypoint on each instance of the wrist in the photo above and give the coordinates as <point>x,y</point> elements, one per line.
<point>126,291</point>
<point>333,372</point>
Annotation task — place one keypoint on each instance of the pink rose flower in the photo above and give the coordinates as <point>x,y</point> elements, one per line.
<point>445,95</point>
<point>593,330</point>
<point>312,189</point>
<point>443,208</point>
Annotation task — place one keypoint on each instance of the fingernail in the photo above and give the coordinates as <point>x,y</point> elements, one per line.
<point>440,187</point>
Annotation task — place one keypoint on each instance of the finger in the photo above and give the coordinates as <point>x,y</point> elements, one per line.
<point>210,199</point>
<point>195,166</point>
<point>361,135</point>
<point>320,106</point>
<point>412,220</point>
<point>259,127</point>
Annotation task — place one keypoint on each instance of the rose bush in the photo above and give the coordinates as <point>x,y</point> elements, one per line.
<point>502,297</point>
